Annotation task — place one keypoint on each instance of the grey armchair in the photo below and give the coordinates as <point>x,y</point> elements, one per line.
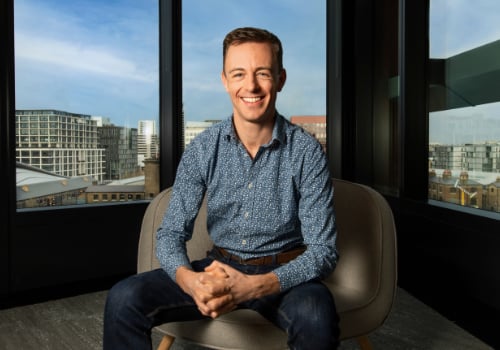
<point>363,283</point>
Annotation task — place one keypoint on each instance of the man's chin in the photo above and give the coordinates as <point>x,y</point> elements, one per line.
<point>257,117</point>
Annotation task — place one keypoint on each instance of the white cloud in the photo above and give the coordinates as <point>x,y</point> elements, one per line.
<point>76,56</point>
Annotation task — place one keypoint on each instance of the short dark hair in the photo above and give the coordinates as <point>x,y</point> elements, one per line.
<point>250,34</point>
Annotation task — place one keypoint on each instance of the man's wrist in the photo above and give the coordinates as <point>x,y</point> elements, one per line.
<point>266,284</point>
<point>182,275</point>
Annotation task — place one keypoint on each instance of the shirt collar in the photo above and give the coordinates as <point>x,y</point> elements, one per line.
<point>279,130</point>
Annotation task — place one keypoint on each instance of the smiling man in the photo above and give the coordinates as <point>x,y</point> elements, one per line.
<point>270,216</point>
<point>253,75</point>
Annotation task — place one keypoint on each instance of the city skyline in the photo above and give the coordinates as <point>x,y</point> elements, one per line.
<point>91,57</point>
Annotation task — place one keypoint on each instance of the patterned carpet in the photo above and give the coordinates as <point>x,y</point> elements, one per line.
<point>76,324</point>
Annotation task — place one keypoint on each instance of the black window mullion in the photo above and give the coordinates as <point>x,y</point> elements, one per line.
<point>413,96</point>
<point>7,144</point>
<point>171,113</point>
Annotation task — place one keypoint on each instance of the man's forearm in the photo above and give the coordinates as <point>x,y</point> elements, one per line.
<point>182,276</point>
<point>263,285</point>
<point>246,287</point>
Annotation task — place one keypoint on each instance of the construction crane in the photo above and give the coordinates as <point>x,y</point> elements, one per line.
<point>463,192</point>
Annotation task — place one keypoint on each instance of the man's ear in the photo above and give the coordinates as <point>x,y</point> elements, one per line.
<point>282,79</point>
<point>224,80</point>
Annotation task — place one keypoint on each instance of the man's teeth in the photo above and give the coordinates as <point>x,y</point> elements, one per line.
<point>251,99</point>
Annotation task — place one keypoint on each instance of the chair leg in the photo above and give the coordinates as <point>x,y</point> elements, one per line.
<point>364,343</point>
<point>166,342</point>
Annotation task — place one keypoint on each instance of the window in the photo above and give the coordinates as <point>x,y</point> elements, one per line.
<point>98,116</point>
<point>304,94</point>
<point>464,102</point>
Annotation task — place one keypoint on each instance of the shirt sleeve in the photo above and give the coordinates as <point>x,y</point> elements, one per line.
<point>177,224</point>
<point>317,220</point>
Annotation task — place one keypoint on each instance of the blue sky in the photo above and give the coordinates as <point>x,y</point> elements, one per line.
<point>89,57</point>
<point>302,30</point>
<point>459,25</point>
<point>101,57</point>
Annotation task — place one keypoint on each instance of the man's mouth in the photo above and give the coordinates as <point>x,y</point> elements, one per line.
<point>251,99</point>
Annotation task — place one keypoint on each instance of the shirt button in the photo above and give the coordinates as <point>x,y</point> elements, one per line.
<point>243,242</point>
<point>250,185</point>
<point>247,214</point>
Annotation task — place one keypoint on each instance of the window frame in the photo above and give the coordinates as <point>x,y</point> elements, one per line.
<point>343,151</point>
<point>7,131</point>
<point>24,233</point>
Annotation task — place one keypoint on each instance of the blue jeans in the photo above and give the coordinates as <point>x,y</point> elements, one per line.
<point>138,303</point>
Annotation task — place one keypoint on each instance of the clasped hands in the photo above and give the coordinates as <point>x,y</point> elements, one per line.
<point>220,288</point>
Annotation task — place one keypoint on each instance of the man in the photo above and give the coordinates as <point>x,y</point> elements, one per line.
<point>270,215</point>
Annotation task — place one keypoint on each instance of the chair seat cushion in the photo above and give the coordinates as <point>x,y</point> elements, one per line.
<point>240,329</point>
<point>243,329</point>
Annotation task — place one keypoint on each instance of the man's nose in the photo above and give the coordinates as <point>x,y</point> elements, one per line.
<point>251,83</point>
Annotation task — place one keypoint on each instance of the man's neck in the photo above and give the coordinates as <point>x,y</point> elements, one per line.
<point>253,135</point>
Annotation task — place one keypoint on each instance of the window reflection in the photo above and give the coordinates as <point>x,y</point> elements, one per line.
<point>464,104</point>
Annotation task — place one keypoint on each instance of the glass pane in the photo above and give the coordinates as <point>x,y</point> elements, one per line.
<point>464,103</point>
<point>205,24</point>
<point>86,101</point>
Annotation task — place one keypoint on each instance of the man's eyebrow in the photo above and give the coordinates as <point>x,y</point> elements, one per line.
<point>235,69</point>
<point>258,69</point>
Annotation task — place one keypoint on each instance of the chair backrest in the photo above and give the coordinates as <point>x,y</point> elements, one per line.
<point>364,282</point>
<point>196,247</point>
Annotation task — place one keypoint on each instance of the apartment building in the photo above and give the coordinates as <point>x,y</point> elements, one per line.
<point>484,157</point>
<point>59,142</point>
<point>315,125</point>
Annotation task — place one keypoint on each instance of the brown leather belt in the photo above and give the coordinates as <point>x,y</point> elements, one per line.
<point>280,258</point>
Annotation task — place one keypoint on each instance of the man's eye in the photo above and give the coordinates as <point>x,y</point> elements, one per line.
<point>236,75</point>
<point>264,75</point>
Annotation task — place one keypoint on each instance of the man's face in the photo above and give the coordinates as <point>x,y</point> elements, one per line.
<point>252,79</point>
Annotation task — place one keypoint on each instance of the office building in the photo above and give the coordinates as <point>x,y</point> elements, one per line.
<point>120,145</point>
<point>193,129</point>
<point>147,141</point>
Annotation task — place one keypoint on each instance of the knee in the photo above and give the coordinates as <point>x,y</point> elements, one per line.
<point>320,312</point>
<point>318,304</point>
<point>123,297</point>
<point>316,320</point>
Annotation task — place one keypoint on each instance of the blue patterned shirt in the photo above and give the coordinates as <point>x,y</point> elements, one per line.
<point>256,207</point>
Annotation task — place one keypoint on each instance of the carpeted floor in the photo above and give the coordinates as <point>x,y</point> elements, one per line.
<point>76,324</point>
